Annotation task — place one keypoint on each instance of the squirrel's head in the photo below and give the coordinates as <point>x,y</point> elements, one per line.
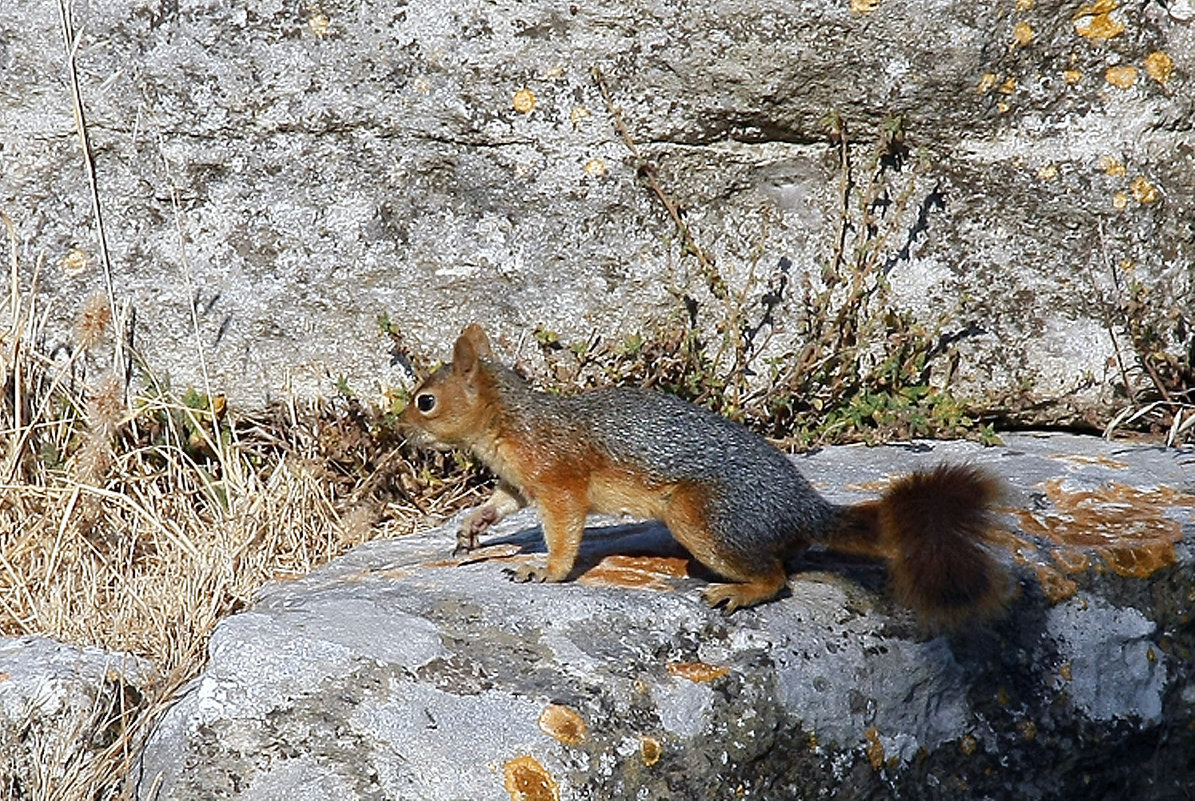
<point>450,405</point>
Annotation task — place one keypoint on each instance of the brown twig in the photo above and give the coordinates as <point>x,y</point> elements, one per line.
<point>650,174</point>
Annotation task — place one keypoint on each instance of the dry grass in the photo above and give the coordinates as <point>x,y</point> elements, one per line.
<point>135,519</point>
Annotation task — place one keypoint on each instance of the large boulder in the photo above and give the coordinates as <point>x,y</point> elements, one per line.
<point>398,672</point>
<point>291,171</point>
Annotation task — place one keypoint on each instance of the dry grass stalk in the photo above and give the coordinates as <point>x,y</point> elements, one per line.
<point>128,526</point>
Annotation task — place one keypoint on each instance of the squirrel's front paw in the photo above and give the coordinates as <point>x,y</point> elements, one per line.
<point>527,573</point>
<point>474,526</point>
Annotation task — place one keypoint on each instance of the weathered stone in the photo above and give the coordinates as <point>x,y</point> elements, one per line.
<point>446,162</point>
<point>60,706</point>
<point>397,672</point>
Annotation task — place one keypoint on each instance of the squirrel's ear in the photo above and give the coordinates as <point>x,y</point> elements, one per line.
<point>481,343</point>
<point>471,347</point>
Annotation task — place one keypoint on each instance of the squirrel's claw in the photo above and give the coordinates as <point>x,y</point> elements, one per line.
<point>524,574</point>
<point>474,526</point>
<point>466,541</point>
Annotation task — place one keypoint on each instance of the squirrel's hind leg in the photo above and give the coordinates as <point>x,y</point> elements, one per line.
<point>687,519</point>
<point>750,592</point>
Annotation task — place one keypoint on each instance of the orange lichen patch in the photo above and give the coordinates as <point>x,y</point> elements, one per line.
<point>1054,585</point>
<point>1025,5</point>
<point>869,487</point>
<point>506,552</point>
<point>1072,561</point>
<point>864,6</point>
<point>651,750</point>
<point>1028,729</point>
<point>75,263</point>
<point>1072,76</point>
<point>697,671</point>
<point>1048,172</point>
<point>636,572</point>
<point>1124,526</point>
<point>595,168</point>
<point>527,780</point>
<point>1009,86</point>
<point>1120,201</point>
<point>1159,66</point>
<point>523,101</point>
<point>987,82</point>
<point>319,25</point>
<point>1143,191</point>
<point>1095,21</point>
<point>1022,33</point>
<point>1110,166</point>
<point>1122,76</point>
<point>563,723</point>
<point>875,749</point>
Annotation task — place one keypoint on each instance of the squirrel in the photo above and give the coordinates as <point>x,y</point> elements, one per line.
<point>733,500</point>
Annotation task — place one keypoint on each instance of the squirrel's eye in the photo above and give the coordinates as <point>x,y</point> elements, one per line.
<point>425,402</point>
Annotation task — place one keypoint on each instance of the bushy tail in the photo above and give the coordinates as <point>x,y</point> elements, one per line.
<point>933,528</point>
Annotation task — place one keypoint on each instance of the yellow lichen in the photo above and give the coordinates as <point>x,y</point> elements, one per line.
<point>1120,201</point>
<point>1111,166</point>
<point>524,101</point>
<point>987,82</point>
<point>1048,173</point>
<point>75,263</point>
<point>1122,76</point>
<point>1159,66</point>
<point>1024,5</point>
<point>527,780</point>
<point>651,750</point>
<point>697,671</point>
<point>563,723</point>
<point>1095,21</point>
<point>875,749</point>
<point>1009,86</point>
<point>1028,730</point>
<point>1143,191</point>
<point>1022,33</point>
<point>1072,76</point>
<point>864,6</point>
<point>319,24</point>
<point>595,168</point>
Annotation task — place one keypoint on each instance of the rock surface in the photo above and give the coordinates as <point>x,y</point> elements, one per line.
<point>60,705</point>
<point>397,672</point>
<point>327,162</point>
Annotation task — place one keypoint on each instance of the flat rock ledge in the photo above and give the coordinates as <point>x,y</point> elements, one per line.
<point>397,672</point>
